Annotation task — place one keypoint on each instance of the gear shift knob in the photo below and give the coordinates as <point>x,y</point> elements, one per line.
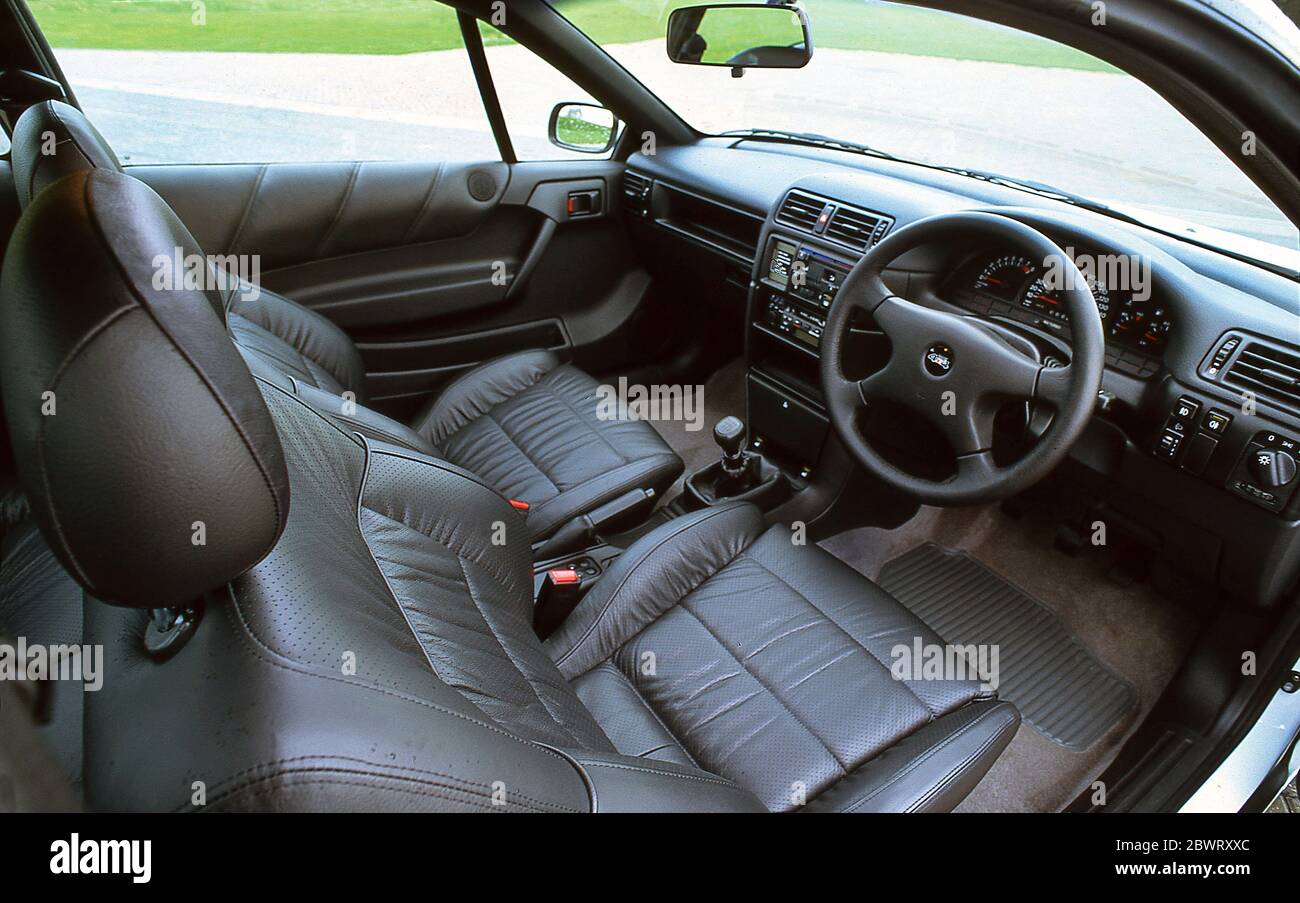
<point>730,436</point>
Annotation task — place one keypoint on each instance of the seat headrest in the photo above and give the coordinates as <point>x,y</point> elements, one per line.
<point>52,140</point>
<point>147,452</point>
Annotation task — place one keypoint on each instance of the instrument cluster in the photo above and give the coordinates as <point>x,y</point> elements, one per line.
<point>1131,312</point>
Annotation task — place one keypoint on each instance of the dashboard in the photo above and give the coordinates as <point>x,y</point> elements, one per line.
<point>1199,409</point>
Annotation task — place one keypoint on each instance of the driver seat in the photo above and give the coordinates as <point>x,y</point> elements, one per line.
<point>370,645</point>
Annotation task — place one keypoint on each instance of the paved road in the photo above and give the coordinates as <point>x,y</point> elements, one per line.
<point>1100,134</point>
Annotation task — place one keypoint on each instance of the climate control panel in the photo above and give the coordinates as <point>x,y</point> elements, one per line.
<point>794,320</point>
<point>801,282</point>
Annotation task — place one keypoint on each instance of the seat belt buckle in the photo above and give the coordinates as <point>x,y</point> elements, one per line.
<point>520,506</point>
<point>561,589</point>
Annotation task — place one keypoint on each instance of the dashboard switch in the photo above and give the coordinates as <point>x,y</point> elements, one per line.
<point>1168,444</point>
<point>1186,409</point>
<point>1216,422</point>
<point>1272,468</point>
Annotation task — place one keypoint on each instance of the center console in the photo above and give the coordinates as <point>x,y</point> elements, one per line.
<point>795,282</point>
<point>798,283</point>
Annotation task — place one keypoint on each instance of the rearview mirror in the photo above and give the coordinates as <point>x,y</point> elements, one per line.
<point>740,36</point>
<point>582,127</point>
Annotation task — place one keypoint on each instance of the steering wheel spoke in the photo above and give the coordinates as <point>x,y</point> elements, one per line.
<point>1008,372</point>
<point>976,468</point>
<point>1054,384</point>
<point>876,386</point>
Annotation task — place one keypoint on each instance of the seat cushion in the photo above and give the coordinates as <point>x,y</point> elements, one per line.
<point>530,426</point>
<point>768,663</point>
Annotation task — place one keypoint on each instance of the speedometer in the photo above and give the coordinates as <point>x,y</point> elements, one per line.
<point>1048,301</point>
<point>1004,276</point>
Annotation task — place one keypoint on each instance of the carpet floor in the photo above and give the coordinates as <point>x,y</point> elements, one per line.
<point>1140,634</point>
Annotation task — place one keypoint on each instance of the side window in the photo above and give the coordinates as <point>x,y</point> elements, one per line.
<point>528,88</point>
<point>272,81</point>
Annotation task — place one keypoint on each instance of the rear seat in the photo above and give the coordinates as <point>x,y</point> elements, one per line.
<point>525,423</point>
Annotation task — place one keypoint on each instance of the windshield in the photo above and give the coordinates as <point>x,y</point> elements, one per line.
<point>945,89</point>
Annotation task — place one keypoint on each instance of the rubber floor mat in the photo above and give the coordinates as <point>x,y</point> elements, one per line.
<point>1061,689</point>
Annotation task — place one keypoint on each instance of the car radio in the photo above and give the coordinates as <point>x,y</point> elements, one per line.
<point>802,283</point>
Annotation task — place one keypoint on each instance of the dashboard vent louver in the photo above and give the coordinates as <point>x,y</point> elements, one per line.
<point>1270,371</point>
<point>800,210</point>
<point>856,228</point>
<point>634,184</point>
<point>636,192</point>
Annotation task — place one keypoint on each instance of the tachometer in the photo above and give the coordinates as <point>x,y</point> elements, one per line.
<point>1048,301</point>
<point>1004,276</point>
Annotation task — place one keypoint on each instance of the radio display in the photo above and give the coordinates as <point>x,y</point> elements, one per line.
<point>780,262</point>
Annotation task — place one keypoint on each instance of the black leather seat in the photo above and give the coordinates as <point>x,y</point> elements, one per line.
<point>358,638</point>
<point>526,423</point>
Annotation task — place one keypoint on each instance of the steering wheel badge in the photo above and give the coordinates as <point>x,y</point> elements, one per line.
<point>938,360</point>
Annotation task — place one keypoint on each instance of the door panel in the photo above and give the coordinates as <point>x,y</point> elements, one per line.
<point>409,258</point>
<point>294,213</point>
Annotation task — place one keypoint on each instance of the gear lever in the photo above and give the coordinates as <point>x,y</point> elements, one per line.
<point>739,472</point>
<point>730,436</point>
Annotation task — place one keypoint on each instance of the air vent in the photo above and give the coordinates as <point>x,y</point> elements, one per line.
<point>635,184</point>
<point>856,228</point>
<point>801,210</point>
<point>636,192</point>
<point>1270,371</point>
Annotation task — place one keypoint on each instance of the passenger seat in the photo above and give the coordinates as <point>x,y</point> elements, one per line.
<point>526,423</point>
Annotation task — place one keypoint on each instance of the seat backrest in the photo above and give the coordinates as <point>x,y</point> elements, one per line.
<point>53,139</point>
<point>367,645</point>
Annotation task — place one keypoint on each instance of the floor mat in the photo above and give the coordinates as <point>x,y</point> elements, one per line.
<point>1061,689</point>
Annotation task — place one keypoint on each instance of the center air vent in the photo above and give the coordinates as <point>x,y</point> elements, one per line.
<point>801,210</point>
<point>1270,371</point>
<point>856,228</point>
<point>850,226</point>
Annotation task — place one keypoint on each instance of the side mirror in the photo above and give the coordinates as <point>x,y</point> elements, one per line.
<point>582,127</point>
<point>740,36</point>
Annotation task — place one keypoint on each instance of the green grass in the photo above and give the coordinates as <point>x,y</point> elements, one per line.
<point>253,26</point>
<point>853,25</point>
<point>580,133</point>
<point>410,26</point>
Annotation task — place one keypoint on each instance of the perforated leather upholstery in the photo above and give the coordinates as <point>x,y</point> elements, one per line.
<point>525,422</point>
<point>720,642</point>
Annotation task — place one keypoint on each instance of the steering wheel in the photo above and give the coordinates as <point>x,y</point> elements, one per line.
<point>955,371</point>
